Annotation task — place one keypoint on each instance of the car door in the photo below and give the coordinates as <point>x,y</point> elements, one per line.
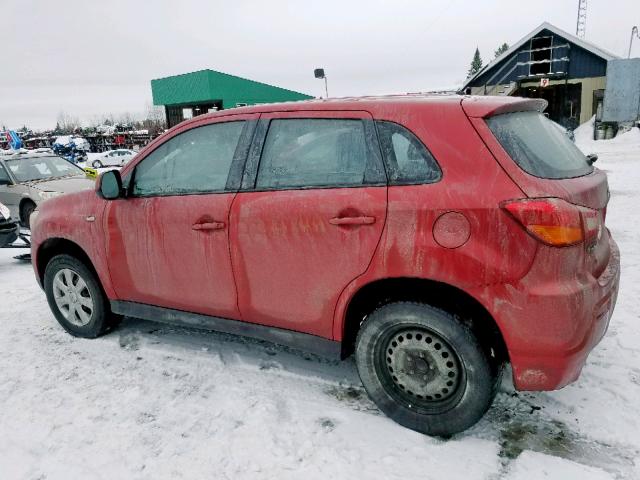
<point>125,156</point>
<point>308,218</point>
<point>167,242</point>
<point>10,193</point>
<point>113,159</point>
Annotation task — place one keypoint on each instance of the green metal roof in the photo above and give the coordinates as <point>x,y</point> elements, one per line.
<point>208,85</point>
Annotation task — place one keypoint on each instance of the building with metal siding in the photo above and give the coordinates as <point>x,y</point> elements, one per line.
<point>195,93</point>
<point>622,95</point>
<point>549,63</point>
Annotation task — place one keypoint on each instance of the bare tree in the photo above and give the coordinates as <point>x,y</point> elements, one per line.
<point>96,120</point>
<point>67,123</point>
<point>155,113</point>
<point>155,120</point>
<point>126,118</point>
<point>107,119</point>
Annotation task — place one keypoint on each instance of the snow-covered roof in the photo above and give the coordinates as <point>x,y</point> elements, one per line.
<point>590,47</point>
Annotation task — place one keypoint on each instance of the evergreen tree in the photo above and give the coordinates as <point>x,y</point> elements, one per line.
<point>476,64</point>
<point>501,49</point>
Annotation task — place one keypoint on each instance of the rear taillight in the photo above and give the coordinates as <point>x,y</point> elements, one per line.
<point>556,222</point>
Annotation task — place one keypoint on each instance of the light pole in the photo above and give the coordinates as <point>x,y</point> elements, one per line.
<point>319,73</point>
<point>634,31</point>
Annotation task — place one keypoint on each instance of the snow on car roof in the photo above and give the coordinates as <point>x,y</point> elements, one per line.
<point>25,154</point>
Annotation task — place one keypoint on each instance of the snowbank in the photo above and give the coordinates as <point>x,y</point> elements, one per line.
<point>531,465</point>
<point>628,142</point>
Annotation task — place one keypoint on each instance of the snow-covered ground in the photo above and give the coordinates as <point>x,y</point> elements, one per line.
<point>154,402</point>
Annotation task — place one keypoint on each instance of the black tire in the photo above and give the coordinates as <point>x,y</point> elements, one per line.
<point>26,210</point>
<point>97,164</point>
<point>101,318</point>
<point>451,393</point>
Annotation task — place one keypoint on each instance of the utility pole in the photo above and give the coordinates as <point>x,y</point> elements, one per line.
<point>581,23</point>
<point>634,33</point>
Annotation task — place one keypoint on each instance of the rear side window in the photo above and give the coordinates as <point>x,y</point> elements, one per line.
<point>408,160</point>
<point>301,153</point>
<point>196,161</point>
<point>538,146</point>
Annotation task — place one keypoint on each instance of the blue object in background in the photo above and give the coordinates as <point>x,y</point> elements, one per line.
<point>15,142</point>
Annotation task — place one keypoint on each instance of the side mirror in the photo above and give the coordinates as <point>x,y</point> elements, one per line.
<point>110,185</point>
<point>591,158</point>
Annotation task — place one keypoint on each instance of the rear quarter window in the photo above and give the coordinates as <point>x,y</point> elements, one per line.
<point>407,160</point>
<point>538,146</point>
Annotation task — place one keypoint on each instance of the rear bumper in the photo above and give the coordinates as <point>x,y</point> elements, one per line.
<point>550,329</point>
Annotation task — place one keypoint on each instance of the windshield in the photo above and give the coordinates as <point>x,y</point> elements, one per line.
<point>41,168</point>
<point>538,146</point>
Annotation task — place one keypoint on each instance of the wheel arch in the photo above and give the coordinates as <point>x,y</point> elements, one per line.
<point>438,294</point>
<point>24,201</point>
<point>57,246</point>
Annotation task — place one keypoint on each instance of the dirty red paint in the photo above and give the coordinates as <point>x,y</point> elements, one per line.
<point>451,230</point>
<point>288,259</point>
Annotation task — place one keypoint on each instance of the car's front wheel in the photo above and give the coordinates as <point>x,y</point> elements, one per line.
<point>76,298</point>
<point>424,369</point>
<point>97,164</point>
<point>26,210</point>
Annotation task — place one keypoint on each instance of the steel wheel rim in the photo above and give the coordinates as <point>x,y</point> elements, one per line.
<point>422,370</point>
<point>72,297</point>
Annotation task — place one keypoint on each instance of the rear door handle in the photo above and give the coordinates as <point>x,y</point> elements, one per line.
<point>208,226</point>
<point>353,220</point>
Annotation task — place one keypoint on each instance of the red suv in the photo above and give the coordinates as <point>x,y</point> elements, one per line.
<point>437,238</point>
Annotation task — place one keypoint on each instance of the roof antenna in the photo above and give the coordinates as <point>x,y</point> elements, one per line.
<point>581,24</point>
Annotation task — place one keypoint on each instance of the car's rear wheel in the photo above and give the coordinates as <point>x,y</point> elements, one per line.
<point>76,298</point>
<point>97,164</point>
<point>424,369</point>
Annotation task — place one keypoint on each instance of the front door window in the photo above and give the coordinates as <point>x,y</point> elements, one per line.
<point>196,161</point>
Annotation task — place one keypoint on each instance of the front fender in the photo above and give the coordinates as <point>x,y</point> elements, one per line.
<point>75,218</point>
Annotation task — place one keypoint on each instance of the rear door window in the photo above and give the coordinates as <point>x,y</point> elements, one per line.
<point>304,153</point>
<point>538,146</point>
<point>407,159</point>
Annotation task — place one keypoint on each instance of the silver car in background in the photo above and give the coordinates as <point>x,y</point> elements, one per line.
<point>28,179</point>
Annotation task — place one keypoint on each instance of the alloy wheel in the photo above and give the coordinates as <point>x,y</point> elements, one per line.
<point>72,297</point>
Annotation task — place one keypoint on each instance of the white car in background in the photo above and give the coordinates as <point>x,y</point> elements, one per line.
<point>113,158</point>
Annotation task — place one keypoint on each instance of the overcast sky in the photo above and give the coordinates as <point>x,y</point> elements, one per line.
<point>88,58</point>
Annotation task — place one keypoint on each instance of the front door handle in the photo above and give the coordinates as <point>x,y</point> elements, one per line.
<point>208,226</point>
<point>353,220</point>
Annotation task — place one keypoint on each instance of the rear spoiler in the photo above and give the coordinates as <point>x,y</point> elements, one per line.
<point>484,107</point>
